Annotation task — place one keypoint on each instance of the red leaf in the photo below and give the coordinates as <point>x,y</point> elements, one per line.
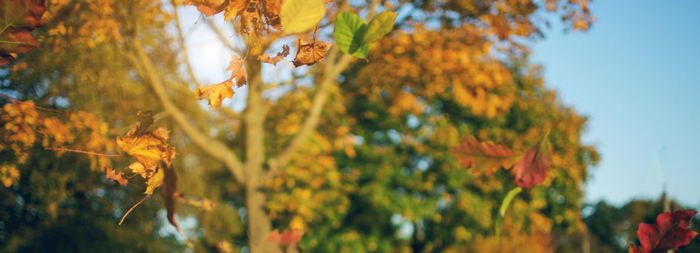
<point>289,236</point>
<point>484,156</point>
<point>669,232</point>
<point>20,18</point>
<point>532,169</point>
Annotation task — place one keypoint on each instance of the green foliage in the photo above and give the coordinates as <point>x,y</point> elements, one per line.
<point>353,36</point>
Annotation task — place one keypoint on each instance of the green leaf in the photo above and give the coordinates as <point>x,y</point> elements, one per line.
<point>301,15</point>
<point>504,206</point>
<point>349,33</point>
<point>379,26</point>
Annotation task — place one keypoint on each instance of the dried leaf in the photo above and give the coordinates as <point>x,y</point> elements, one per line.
<point>19,18</point>
<point>272,13</point>
<point>532,168</point>
<point>149,149</point>
<point>484,156</point>
<point>237,68</point>
<point>170,194</point>
<point>310,52</point>
<point>274,60</point>
<point>670,232</point>
<point>117,177</point>
<point>215,93</point>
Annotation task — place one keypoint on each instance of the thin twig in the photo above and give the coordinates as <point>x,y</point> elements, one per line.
<point>132,208</point>
<point>33,105</point>
<point>83,152</point>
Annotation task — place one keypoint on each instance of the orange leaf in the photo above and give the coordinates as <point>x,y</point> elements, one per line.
<point>274,60</point>
<point>484,156</point>
<point>117,177</point>
<point>215,93</point>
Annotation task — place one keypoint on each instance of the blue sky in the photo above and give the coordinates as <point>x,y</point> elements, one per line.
<point>636,75</point>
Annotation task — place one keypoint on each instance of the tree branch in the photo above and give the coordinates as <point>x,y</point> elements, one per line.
<point>330,73</point>
<point>181,40</point>
<point>223,38</point>
<point>211,146</point>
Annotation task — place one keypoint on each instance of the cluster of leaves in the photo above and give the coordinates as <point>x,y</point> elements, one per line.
<point>20,18</point>
<point>530,168</point>
<point>25,126</point>
<point>670,232</point>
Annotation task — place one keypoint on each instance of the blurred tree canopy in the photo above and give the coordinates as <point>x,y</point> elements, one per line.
<point>359,160</point>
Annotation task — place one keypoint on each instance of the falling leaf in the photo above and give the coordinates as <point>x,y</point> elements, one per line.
<point>310,52</point>
<point>149,148</point>
<point>274,60</point>
<point>532,168</point>
<point>301,15</point>
<point>117,177</point>
<point>484,156</point>
<point>237,68</point>
<point>348,34</point>
<point>670,232</point>
<point>379,26</point>
<point>215,93</point>
<point>170,194</point>
<point>20,17</point>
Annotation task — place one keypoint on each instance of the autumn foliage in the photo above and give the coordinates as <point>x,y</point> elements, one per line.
<point>668,233</point>
<point>362,141</point>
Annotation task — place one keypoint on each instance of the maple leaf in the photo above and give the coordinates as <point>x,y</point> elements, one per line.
<point>274,60</point>
<point>215,93</point>
<point>310,52</point>
<point>117,177</point>
<point>532,168</point>
<point>484,156</point>
<point>149,149</point>
<point>20,17</point>
<point>669,232</point>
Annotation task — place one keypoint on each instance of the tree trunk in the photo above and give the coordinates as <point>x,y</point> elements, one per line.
<point>258,222</point>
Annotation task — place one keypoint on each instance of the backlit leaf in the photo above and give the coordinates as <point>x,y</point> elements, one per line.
<point>670,232</point>
<point>379,26</point>
<point>532,169</point>
<point>301,15</point>
<point>19,18</point>
<point>349,33</point>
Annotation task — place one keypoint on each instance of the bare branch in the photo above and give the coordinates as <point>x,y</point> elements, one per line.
<point>223,38</point>
<point>181,40</point>
<point>211,146</point>
<point>330,73</point>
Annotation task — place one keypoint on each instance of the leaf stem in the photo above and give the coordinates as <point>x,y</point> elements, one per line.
<point>132,208</point>
<point>504,206</point>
